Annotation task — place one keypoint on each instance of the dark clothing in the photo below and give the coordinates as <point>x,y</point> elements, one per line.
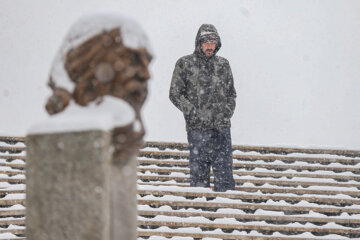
<point>211,148</point>
<point>202,88</point>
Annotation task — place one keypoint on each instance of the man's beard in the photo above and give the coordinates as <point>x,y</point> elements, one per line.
<point>209,51</point>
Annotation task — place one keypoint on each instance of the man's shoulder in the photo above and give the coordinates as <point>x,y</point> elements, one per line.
<point>187,58</point>
<point>185,61</point>
<point>221,60</point>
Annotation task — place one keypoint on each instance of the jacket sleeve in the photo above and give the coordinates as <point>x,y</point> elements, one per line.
<point>231,93</point>
<point>177,92</point>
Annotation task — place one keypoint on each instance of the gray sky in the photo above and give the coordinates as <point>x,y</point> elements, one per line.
<point>295,64</point>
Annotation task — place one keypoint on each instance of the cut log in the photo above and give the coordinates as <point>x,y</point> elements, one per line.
<point>266,158</point>
<point>254,181</point>
<point>339,177</point>
<point>263,149</point>
<point>12,180</point>
<point>249,206</point>
<point>12,157</point>
<point>12,173</point>
<point>239,227</point>
<point>13,150</point>
<point>11,139</point>
<point>297,191</point>
<point>250,217</point>
<point>142,233</point>
<point>10,213</point>
<point>13,165</point>
<point>255,197</point>
<point>5,223</point>
<point>11,202</point>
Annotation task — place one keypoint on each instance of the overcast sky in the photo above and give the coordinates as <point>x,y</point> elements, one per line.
<point>295,64</point>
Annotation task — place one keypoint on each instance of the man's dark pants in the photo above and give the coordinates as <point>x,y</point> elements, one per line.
<point>211,148</point>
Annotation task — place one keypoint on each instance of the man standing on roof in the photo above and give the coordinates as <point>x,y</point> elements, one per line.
<point>202,88</point>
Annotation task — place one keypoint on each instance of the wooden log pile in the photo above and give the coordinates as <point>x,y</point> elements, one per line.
<point>293,196</point>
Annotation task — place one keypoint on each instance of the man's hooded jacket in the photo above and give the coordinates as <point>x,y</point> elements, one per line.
<point>202,87</point>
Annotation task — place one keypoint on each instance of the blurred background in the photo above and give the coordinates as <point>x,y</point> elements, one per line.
<point>296,64</point>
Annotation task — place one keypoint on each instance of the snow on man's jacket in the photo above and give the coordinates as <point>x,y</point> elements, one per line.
<point>202,87</point>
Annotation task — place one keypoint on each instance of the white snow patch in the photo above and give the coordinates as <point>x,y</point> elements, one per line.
<point>18,161</point>
<point>10,187</point>
<point>11,226</point>
<point>111,113</point>
<point>17,144</point>
<point>7,236</point>
<point>91,25</point>
<point>14,196</point>
<point>15,207</point>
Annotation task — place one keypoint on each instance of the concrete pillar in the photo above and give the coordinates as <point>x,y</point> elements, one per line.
<point>74,191</point>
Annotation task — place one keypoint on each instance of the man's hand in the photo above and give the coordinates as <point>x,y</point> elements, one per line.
<point>222,111</point>
<point>206,115</point>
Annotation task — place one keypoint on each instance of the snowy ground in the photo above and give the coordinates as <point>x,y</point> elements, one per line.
<point>166,201</point>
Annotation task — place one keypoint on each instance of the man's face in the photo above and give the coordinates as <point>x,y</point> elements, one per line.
<point>208,48</point>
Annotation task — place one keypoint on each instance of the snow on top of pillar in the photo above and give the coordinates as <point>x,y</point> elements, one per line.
<point>112,112</point>
<point>88,26</point>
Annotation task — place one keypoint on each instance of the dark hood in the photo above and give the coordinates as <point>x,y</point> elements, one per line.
<point>206,29</point>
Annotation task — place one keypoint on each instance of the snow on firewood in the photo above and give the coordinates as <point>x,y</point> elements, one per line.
<point>111,113</point>
<point>87,26</point>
